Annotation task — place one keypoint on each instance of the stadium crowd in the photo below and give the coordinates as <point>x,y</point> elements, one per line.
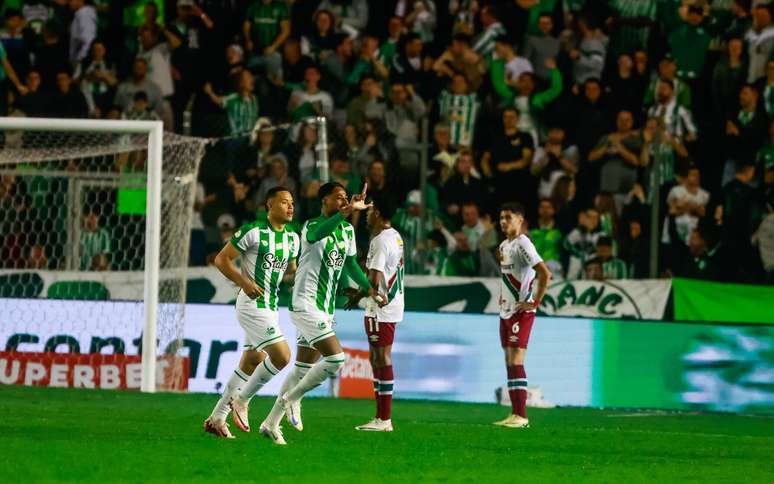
<point>584,111</point>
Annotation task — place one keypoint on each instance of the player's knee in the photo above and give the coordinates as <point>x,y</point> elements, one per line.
<point>335,362</point>
<point>281,360</point>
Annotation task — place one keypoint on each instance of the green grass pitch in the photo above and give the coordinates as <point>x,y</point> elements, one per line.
<point>106,436</point>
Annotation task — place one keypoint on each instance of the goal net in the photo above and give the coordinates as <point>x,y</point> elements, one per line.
<point>87,265</point>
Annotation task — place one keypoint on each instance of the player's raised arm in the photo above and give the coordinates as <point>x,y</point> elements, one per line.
<point>224,261</point>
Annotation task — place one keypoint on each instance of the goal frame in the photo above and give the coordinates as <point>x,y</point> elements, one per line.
<point>155,132</point>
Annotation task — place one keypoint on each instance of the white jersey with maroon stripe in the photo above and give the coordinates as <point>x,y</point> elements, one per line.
<point>385,254</point>
<point>518,257</point>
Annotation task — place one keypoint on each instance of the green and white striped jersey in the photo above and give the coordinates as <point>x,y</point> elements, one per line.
<point>92,245</point>
<point>460,111</point>
<point>266,254</point>
<point>242,112</point>
<point>320,267</point>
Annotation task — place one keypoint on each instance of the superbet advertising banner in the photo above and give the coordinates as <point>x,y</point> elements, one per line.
<point>574,361</point>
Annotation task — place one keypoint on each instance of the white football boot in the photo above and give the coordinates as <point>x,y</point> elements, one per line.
<point>239,415</point>
<point>219,428</point>
<point>376,425</point>
<point>275,434</point>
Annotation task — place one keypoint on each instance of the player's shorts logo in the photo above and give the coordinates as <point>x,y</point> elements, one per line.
<point>515,328</point>
<point>322,325</point>
<point>271,331</point>
<point>374,338</point>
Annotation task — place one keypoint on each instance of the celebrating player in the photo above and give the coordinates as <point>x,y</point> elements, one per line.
<point>268,250</point>
<point>327,249</point>
<point>385,273</point>
<point>519,263</point>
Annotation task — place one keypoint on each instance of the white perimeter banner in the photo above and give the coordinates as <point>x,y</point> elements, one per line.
<point>436,356</point>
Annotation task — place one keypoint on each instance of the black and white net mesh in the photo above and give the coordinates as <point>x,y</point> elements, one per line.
<point>72,240</point>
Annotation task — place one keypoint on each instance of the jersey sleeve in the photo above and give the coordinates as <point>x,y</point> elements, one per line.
<point>527,252</point>
<point>296,246</point>
<point>377,259</point>
<point>244,238</point>
<point>352,246</point>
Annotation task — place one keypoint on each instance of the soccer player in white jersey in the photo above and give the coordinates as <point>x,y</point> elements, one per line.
<point>327,251</point>
<point>385,273</point>
<point>519,299</point>
<point>268,250</point>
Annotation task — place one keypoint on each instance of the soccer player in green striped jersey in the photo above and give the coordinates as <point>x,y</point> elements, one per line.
<point>268,250</point>
<point>328,251</point>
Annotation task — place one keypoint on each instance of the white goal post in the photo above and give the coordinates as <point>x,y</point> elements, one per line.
<point>155,134</point>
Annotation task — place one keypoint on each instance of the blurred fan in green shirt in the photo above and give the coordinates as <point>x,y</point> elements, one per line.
<point>546,236</point>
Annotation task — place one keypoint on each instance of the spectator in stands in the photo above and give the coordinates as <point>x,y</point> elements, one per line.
<point>294,63</point>
<point>51,55</point>
<point>581,242</point>
<point>515,65</point>
<point>83,30</point>
<point>389,48</point>
<point>760,41</point>
<point>541,47</point>
<point>625,88</point>
<point>443,155</point>
<point>37,258</point>
<point>158,54</point>
<point>368,104</point>
<point>67,101</point>
<point>589,55</point>
<point>7,72</point>
<point>265,29</point>
<point>341,173</point>
<point>460,57</point>
<point>351,16</point>
<point>137,82</point>
<point>262,137</point>
<point>727,78</point>
<point>635,250</point>
<point>302,156</point>
<point>619,153</point>
<point>740,215</point>
<point>530,104</point>
<point>422,19</point>
<point>459,107</point>
<point>547,237</point>
<point>702,259</point>
<point>16,41</point>
<point>659,144</point>
<point>591,124</point>
<point>556,158</point>
<point>140,110</point>
<point>690,42</point>
<point>508,161</point>
<point>741,20</point>
<point>593,270</point>
<point>687,203</point>
<point>311,100</point>
<point>408,65</point>
<point>403,113</point>
<point>321,42</point>
<point>34,102</point>
<point>566,203</point>
<point>764,236</point>
<point>241,106</point>
<point>277,177</point>
<point>766,90</point>
<point>745,131</point>
<point>612,267</point>
<point>492,29</point>
<point>667,70</point>
<point>677,119</point>
<point>98,79</point>
<point>462,186</point>
<point>95,243</point>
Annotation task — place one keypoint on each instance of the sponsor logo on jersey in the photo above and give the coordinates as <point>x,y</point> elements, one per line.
<point>335,259</point>
<point>271,262</point>
<point>238,233</point>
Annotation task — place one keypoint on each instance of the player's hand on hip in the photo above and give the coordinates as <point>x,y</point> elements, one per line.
<point>523,307</point>
<point>252,290</point>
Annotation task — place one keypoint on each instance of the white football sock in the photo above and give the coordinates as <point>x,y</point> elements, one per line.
<point>299,370</point>
<point>233,386</point>
<point>260,377</point>
<point>320,372</point>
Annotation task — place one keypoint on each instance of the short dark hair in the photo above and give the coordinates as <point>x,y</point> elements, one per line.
<point>328,188</point>
<point>513,207</point>
<point>547,200</point>
<point>140,96</point>
<point>384,204</point>
<point>593,261</point>
<point>273,193</point>
<point>605,240</point>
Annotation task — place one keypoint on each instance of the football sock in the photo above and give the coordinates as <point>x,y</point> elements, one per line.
<point>377,378</point>
<point>385,392</point>
<point>234,385</point>
<point>517,389</point>
<point>261,376</point>
<point>321,370</point>
<point>299,370</point>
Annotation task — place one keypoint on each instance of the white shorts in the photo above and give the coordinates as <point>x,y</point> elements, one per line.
<point>261,325</point>
<point>312,327</point>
